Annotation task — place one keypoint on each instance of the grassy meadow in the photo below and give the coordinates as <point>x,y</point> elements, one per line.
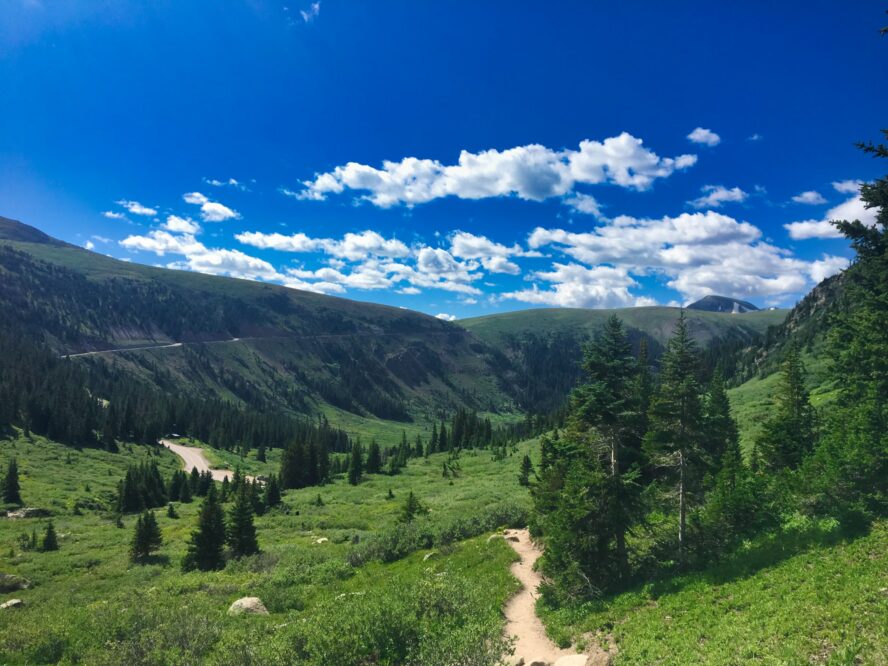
<point>89,604</point>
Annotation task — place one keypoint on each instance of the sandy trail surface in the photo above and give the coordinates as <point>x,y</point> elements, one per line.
<point>521,618</point>
<point>193,456</point>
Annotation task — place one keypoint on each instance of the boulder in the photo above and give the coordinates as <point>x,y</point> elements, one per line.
<point>248,606</point>
<point>28,512</point>
<point>512,537</point>
<point>11,583</point>
<point>12,603</point>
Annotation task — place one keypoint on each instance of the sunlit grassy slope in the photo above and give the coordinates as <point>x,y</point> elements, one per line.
<point>658,322</point>
<point>89,604</point>
<point>806,599</point>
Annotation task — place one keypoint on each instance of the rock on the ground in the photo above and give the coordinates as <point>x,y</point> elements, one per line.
<point>600,659</point>
<point>248,605</point>
<point>429,555</point>
<point>12,603</point>
<point>27,512</point>
<point>11,583</point>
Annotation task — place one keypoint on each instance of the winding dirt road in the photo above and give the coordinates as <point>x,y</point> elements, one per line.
<point>193,456</point>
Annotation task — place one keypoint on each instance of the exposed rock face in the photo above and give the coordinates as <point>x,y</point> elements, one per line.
<point>248,606</point>
<point>12,603</point>
<point>722,304</point>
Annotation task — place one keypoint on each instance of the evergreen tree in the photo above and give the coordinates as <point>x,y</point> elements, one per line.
<point>171,511</point>
<point>675,438</point>
<point>433,439</point>
<point>272,492</point>
<point>207,540</point>
<point>50,538</point>
<point>607,402</point>
<point>848,473</point>
<point>260,453</point>
<point>526,471</point>
<point>720,429</point>
<point>241,533</point>
<point>411,509</point>
<point>12,493</point>
<point>146,538</point>
<point>374,458</point>
<point>788,434</point>
<point>356,464</point>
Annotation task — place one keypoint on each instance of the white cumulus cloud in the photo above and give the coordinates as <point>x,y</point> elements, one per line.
<point>136,208</point>
<point>811,197</point>
<point>715,195</point>
<point>210,211</point>
<point>850,209</point>
<point>705,136</point>
<point>532,172</point>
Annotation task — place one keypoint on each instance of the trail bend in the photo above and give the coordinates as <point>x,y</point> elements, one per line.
<point>532,645</point>
<point>193,456</point>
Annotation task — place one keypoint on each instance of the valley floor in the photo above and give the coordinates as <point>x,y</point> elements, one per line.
<point>345,584</point>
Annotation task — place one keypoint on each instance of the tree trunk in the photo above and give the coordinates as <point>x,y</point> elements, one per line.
<point>620,535</point>
<point>682,509</point>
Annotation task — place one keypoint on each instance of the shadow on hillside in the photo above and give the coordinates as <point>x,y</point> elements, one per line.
<point>160,560</point>
<point>762,553</point>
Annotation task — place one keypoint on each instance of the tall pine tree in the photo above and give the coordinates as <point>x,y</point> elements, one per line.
<point>205,549</point>
<point>675,440</point>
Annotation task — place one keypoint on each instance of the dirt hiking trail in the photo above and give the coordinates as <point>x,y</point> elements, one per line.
<point>532,645</point>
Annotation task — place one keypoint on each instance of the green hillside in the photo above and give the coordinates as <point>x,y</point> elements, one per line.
<point>244,341</point>
<point>545,345</point>
<point>657,322</point>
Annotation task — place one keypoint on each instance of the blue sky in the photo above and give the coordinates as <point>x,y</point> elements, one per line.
<point>454,158</point>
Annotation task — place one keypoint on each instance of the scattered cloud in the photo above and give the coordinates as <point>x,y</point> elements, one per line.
<point>576,286</point>
<point>755,137</point>
<point>532,172</point>
<point>230,182</point>
<point>310,14</point>
<point>445,316</point>
<point>584,203</point>
<point>89,245</point>
<point>829,265</point>
<point>493,256</point>
<point>210,211</point>
<point>704,136</point>
<point>715,195</point>
<point>113,215</point>
<point>806,229</point>
<point>811,197</point>
<point>694,253</point>
<point>847,186</point>
<point>352,246</point>
<point>850,209</point>
<point>136,208</point>
<point>181,225</point>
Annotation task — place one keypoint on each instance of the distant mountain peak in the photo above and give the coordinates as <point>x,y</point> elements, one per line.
<point>714,303</point>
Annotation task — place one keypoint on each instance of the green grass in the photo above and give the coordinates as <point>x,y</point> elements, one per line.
<point>656,321</point>
<point>88,603</point>
<point>800,599</point>
<point>752,401</point>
